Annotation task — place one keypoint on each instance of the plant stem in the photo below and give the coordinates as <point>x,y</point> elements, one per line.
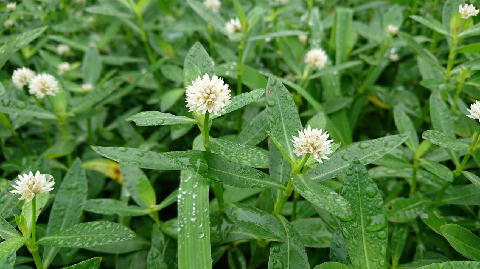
<point>467,156</point>
<point>413,183</point>
<point>452,54</point>
<point>206,132</point>
<point>239,70</point>
<point>283,197</point>
<point>32,245</point>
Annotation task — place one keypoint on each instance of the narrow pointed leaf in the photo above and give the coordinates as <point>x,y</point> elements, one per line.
<point>242,154</point>
<point>11,245</point>
<point>155,118</point>
<point>462,240</point>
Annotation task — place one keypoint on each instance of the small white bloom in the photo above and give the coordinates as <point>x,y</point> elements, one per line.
<point>467,11</point>
<point>303,38</point>
<point>392,29</point>
<point>64,67</point>
<point>474,111</point>
<point>62,49</point>
<point>394,57</point>
<point>213,4</point>
<point>87,87</point>
<point>233,25</point>
<point>22,77</point>
<point>8,23</point>
<point>11,6</point>
<point>43,84</point>
<point>316,58</point>
<point>312,141</point>
<point>28,185</point>
<point>206,94</point>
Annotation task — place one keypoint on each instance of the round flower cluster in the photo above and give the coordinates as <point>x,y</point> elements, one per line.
<point>474,111</point>
<point>392,29</point>
<point>316,58</point>
<point>28,185</point>
<point>208,94</point>
<point>38,85</point>
<point>63,49</point>
<point>233,25</point>
<point>312,141</point>
<point>213,4</point>
<point>467,11</point>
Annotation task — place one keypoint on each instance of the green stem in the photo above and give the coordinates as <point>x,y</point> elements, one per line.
<point>467,156</point>
<point>206,131</point>
<point>413,183</point>
<point>32,245</point>
<point>452,54</point>
<point>458,90</point>
<point>305,76</point>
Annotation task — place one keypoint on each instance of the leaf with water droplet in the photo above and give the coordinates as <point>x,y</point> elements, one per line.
<point>138,185</point>
<point>11,245</point>
<point>113,207</point>
<point>93,263</point>
<point>156,118</point>
<point>242,154</point>
<point>443,140</point>
<point>406,209</point>
<point>332,265</point>
<point>366,152</point>
<point>366,232</point>
<point>453,265</point>
<point>16,107</point>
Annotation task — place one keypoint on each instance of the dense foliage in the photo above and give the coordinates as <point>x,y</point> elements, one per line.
<point>239,134</point>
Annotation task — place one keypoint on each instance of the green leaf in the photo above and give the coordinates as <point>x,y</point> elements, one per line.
<point>242,154</point>
<point>313,232</point>
<point>283,115</point>
<point>88,234</point>
<point>366,233</point>
<point>462,240</point>
<point>68,205</point>
<point>398,241</point>
<point>443,140</point>
<point>322,196</point>
<point>91,66</point>
<point>462,195</point>
<point>452,265</point>
<point>7,230</point>
<point>197,62</point>
<point>174,160</point>
<point>11,245</point>
<point>161,252</point>
<point>8,202</point>
<point>113,207</point>
<point>472,177</point>
<point>17,42</point>
<point>365,151</point>
<point>237,175</point>
<point>470,48</point>
<point>8,262</point>
<point>93,263</point>
<point>210,16</point>
<point>193,222</point>
<point>254,131</point>
<point>434,220</point>
<point>442,119</point>
<point>290,253</point>
<point>332,265</point>
<point>156,118</point>
<point>256,223</point>
<point>437,169</point>
<point>405,209</point>
<point>93,99</point>
<point>16,107</point>
<point>405,126</point>
<point>342,37</point>
<point>431,23</point>
<point>138,186</point>
<point>242,100</point>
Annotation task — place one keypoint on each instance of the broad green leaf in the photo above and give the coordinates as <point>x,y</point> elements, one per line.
<point>322,196</point>
<point>113,207</point>
<point>59,149</point>
<point>7,230</point>
<point>128,246</point>
<point>256,223</point>
<point>462,240</point>
<point>237,175</point>
<point>313,232</point>
<point>161,252</point>
<point>283,115</point>
<point>155,118</point>
<point>398,241</point>
<point>11,245</point>
<point>174,160</point>
<point>342,37</point>
<point>442,119</point>
<point>93,99</point>
<point>138,185</point>
<point>437,169</point>
<point>8,262</point>
<point>405,126</point>
<point>170,98</point>
<point>470,48</point>
<point>17,42</point>
<point>251,77</point>
<point>93,263</point>
<point>365,151</point>
<point>452,265</point>
<point>193,222</point>
<point>197,63</point>
<point>88,234</point>
<point>242,154</point>
<point>16,107</point>
<point>91,66</point>
<point>462,195</point>
<point>431,23</point>
<point>365,233</point>
<point>242,100</point>
<point>331,265</point>
<point>255,131</point>
<point>8,202</point>
<point>290,253</point>
<point>434,220</point>
<point>443,140</point>
<point>405,209</point>
<point>210,16</point>
<point>472,177</point>
<point>68,205</point>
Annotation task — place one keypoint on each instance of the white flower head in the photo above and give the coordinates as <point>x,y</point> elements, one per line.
<point>302,38</point>
<point>213,4</point>
<point>316,58</point>
<point>87,87</point>
<point>474,111</point>
<point>208,94</point>
<point>64,67</point>
<point>312,141</point>
<point>467,11</point>
<point>43,84</point>
<point>11,6</point>
<point>62,49</point>
<point>8,23</point>
<point>394,57</point>
<point>233,25</point>
<point>28,185</point>
<point>22,76</point>
<point>392,29</point>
